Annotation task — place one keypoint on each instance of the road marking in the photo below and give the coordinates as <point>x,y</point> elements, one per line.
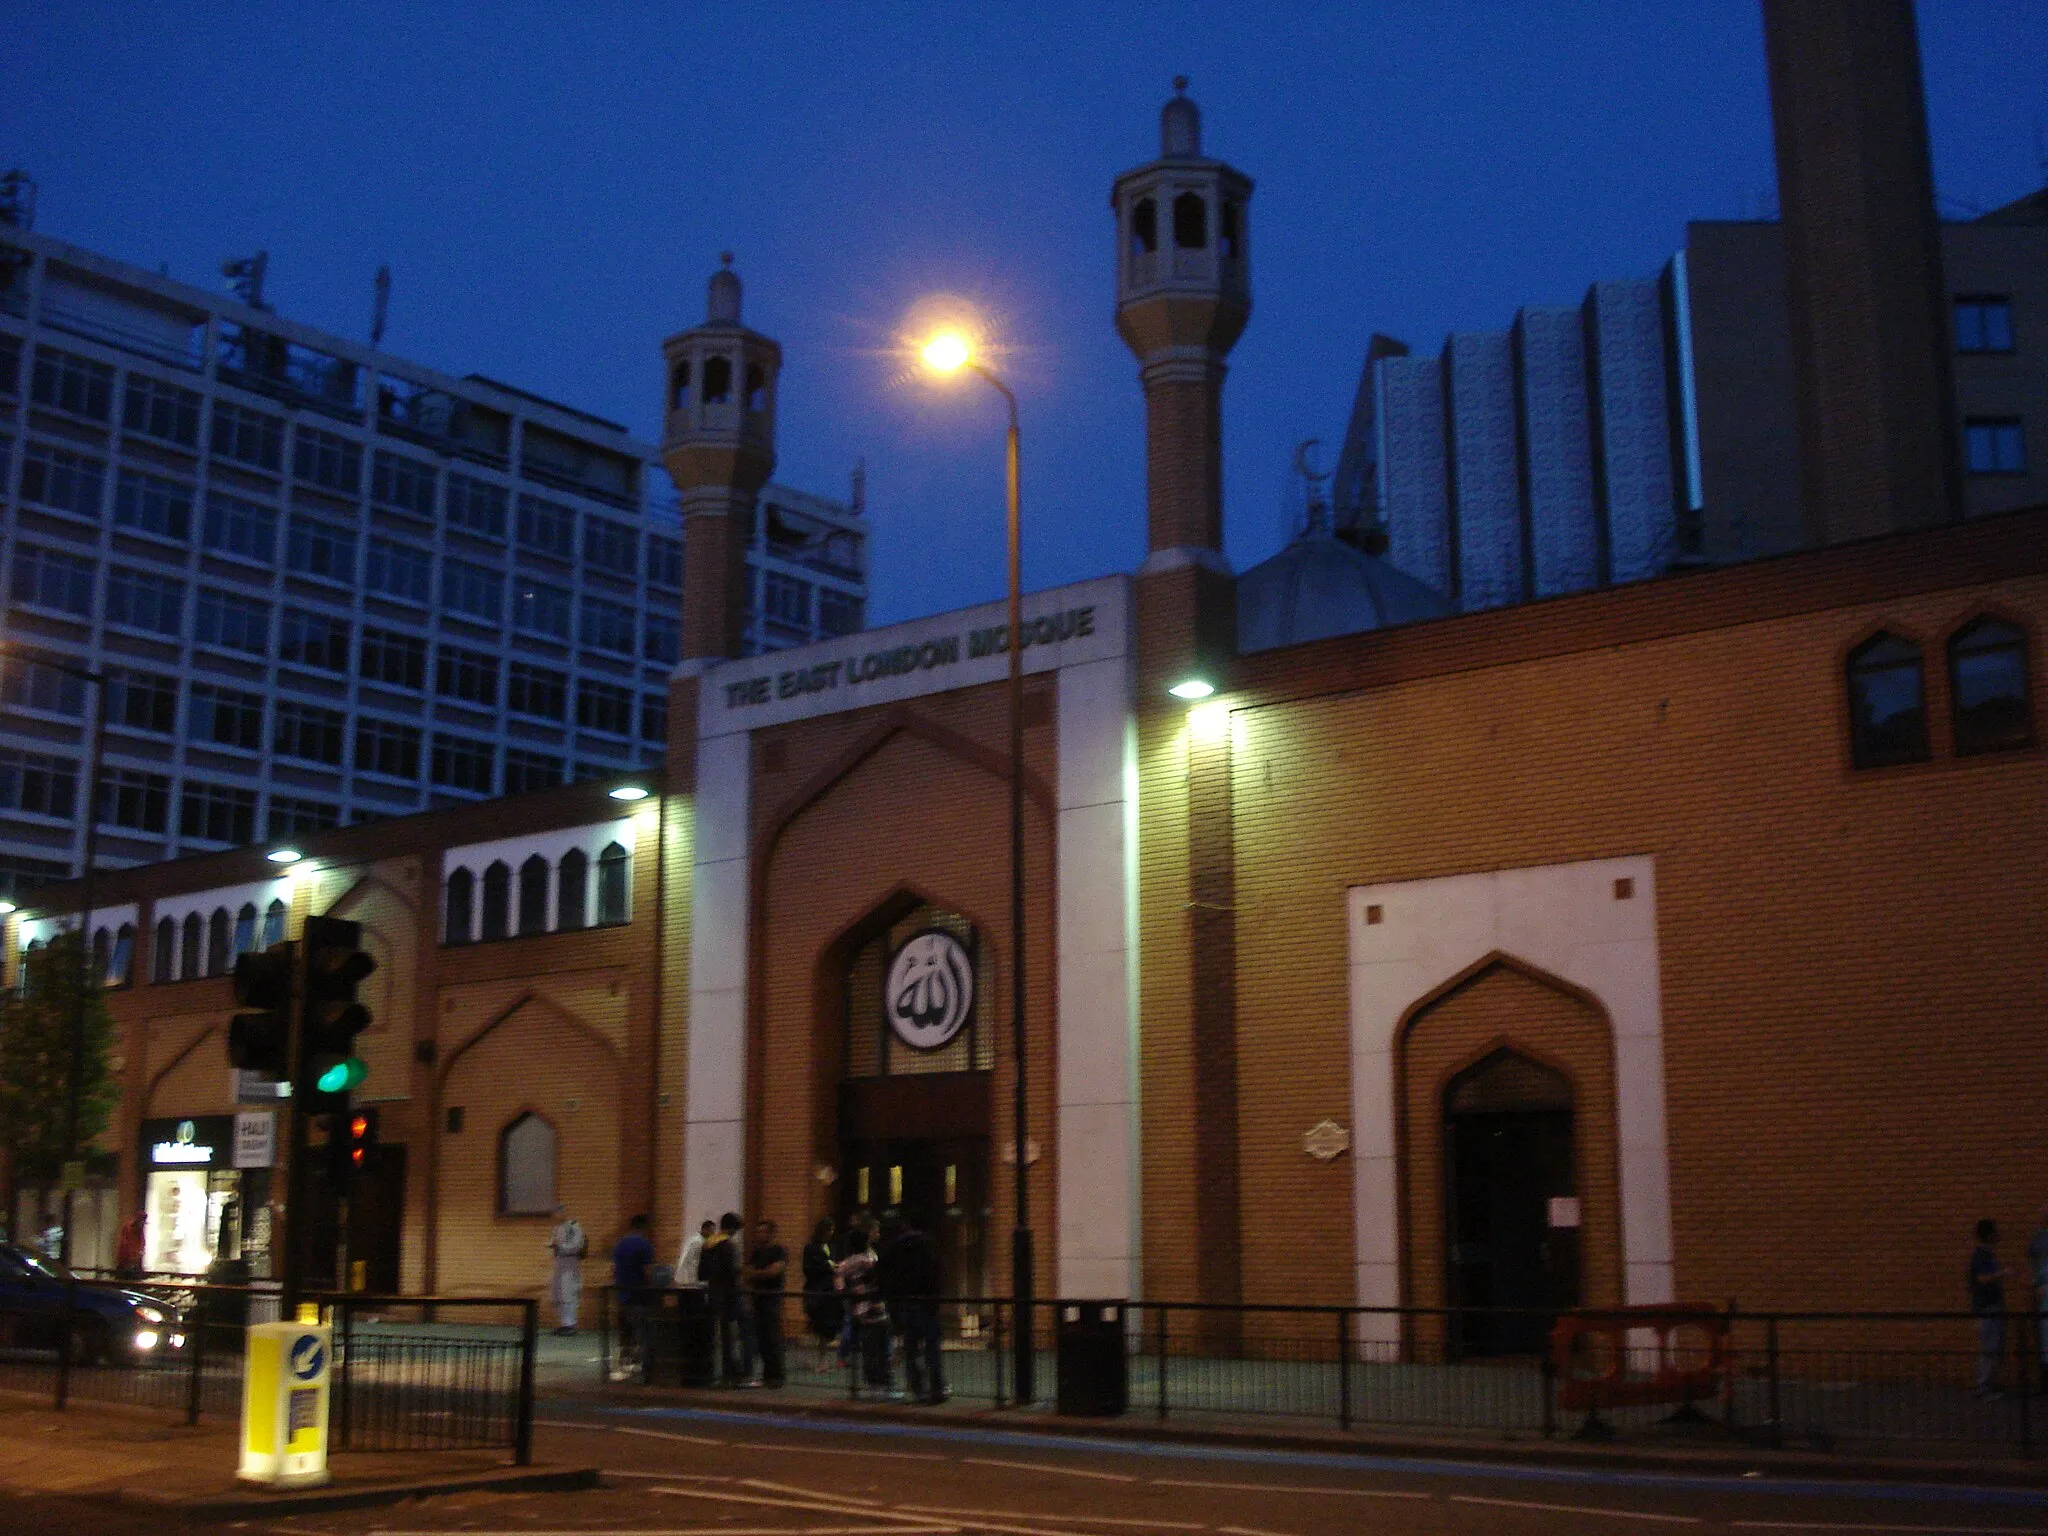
<point>1921,1530</point>
<point>1012,1514</point>
<point>813,1493</point>
<point>704,1530</point>
<point>815,1504</point>
<point>666,1477</point>
<point>1247,1530</point>
<point>1576,1509</point>
<point>665,1434</point>
<point>1039,1466</point>
<point>836,1450</point>
<point>1284,1488</point>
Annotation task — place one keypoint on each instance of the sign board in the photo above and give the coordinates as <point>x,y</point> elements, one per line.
<point>929,993</point>
<point>284,1405</point>
<point>1564,1210</point>
<point>255,1138</point>
<point>72,1178</point>
<point>182,1149</point>
<point>255,1088</point>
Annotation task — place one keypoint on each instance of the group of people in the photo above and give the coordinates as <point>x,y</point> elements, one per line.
<point>1986,1279</point>
<point>869,1293</point>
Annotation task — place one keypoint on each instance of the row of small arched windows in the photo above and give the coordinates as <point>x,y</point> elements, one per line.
<point>1990,694</point>
<point>113,955</point>
<point>544,898</point>
<point>717,384</point>
<point>209,946</point>
<point>1190,225</point>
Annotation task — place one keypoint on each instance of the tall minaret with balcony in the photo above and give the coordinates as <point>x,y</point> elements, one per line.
<point>718,441</point>
<point>1183,293</point>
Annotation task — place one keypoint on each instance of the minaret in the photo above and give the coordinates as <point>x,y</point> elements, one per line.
<point>1183,293</point>
<point>718,441</point>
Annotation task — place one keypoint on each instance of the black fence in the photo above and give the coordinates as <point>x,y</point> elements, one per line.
<point>1895,1381</point>
<point>410,1373</point>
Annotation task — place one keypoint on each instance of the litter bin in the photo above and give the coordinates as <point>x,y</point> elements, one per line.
<point>679,1338</point>
<point>1094,1374</point>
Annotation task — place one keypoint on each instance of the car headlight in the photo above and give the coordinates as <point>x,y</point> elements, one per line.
<point>149,1314</point>
<point>147,1338</point>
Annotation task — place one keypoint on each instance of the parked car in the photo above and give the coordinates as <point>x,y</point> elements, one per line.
<point>107,1324</point>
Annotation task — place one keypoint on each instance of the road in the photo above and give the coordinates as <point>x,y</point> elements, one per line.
<point>689,1473</point>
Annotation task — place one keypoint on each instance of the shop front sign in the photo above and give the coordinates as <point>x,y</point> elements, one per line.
<point>183,1149</point>
<point>255,1139</point>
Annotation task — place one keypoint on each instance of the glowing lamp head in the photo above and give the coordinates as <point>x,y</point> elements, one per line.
<point>947,352</point>
<point>630,792</point>
<point>1192,688</point>
<point>284,855</point>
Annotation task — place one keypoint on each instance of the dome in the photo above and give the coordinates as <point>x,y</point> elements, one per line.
<point>1318,587</point>
<point>725,294</point>
<point>1180,125</point>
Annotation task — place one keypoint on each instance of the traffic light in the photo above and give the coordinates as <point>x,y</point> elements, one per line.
<point>352,1140</point>
<point>330,1017</point>
<point>261,1039</point>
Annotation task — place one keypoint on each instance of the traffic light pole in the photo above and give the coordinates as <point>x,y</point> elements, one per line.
<point>296,1217</point>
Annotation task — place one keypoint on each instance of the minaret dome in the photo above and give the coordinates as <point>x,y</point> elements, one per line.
<point>1180,125</point>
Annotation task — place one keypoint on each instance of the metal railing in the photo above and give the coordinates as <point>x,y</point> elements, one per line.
<point>1820,1380</point>
<point>410,1373</point>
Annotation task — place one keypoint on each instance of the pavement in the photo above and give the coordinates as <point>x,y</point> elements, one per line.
<point>108,1455</point>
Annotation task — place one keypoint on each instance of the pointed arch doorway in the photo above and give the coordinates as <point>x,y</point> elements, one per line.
<point>1511,1203</point>
<point>915,1100</point>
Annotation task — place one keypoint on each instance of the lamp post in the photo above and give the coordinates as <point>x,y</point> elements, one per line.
<point>951,352</point>
<point>90,798</point>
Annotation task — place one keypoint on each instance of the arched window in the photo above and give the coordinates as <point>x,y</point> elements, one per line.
<point>1228,229</point>
<point>459,902</point>
<point>497,900</point>
<point>163,958</point>
<point>1887,703</point>
<point>1989,693</point>
<point>1190,221</point>
<point>757,388</point>
<point>1144,227</point>
<point>120,971</point>
<point>679,386</point>
<point>218,938</point>
<point>611,884</point>
<point>526,1167</point>
<point>717,380</point>
<point>245,928</point>
<point>273,923</point>
<point>572,890</point>
<point>533,895</point>
<point>193,950</point>
<point>102,955</point>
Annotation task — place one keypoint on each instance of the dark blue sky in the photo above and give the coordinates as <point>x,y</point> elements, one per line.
<point>552,184</point>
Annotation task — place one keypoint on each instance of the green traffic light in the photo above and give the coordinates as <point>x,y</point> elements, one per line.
<point>342,1076</point>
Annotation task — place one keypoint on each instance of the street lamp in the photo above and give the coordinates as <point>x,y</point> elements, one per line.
<point>948,353</point>
<point>98,682</point>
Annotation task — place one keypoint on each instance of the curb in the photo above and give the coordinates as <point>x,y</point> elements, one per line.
<point>1706,1460</point>
<point>241,1506</point>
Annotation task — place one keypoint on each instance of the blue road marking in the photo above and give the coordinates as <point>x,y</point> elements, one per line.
<point>1412,1466</point>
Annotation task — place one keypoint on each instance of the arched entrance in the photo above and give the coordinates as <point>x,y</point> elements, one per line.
<point>914,1101</point>
<point>1511,1204</point>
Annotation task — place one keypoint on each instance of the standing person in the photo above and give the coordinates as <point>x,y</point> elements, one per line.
<point>632,1258</point>
<point>719,1269</point>
<point>129,1246</point>
<point>822,1308</point>
<point>865,1311</point>
<point>2037,1256</point>
<point>1987,1300</point>
<point>767,1278</point>
<point>911,1281</point>
<point>691,1259</point>
<point>568,1244</point>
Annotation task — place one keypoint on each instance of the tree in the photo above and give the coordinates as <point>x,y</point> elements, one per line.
<point>36,1022</point>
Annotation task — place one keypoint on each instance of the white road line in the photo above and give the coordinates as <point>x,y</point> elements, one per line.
<point>815,1504</point>
<point>1039,1466</point>
<point>1013,1514</point>
<point>822,1494</point>
<point>665,1477</point>
<point>1286,1488</point>
<point>666,1434</point>
<point>706,1530</point>
<point>836,1450</point>
<point>1576,1509</point>
<point>1247,1530</point>
<point>1918,1530</point>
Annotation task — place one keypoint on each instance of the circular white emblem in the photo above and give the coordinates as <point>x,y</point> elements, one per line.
<point>930,989</point>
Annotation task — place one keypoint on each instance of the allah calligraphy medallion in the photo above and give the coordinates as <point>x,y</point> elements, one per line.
<point>929,993</point>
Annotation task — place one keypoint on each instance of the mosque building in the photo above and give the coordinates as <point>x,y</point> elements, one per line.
<point>1670,940</point>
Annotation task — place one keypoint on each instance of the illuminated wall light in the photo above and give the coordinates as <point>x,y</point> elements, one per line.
<point>630,792</point>
<point>284,855</point>
<point>1209,723</point>
<point>1192,688</point>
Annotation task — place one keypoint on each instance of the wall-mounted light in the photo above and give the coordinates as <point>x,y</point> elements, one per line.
<point>284,855</point>
<point>6,907</point>
<point>630,792</point>
<point>1192,688</point>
